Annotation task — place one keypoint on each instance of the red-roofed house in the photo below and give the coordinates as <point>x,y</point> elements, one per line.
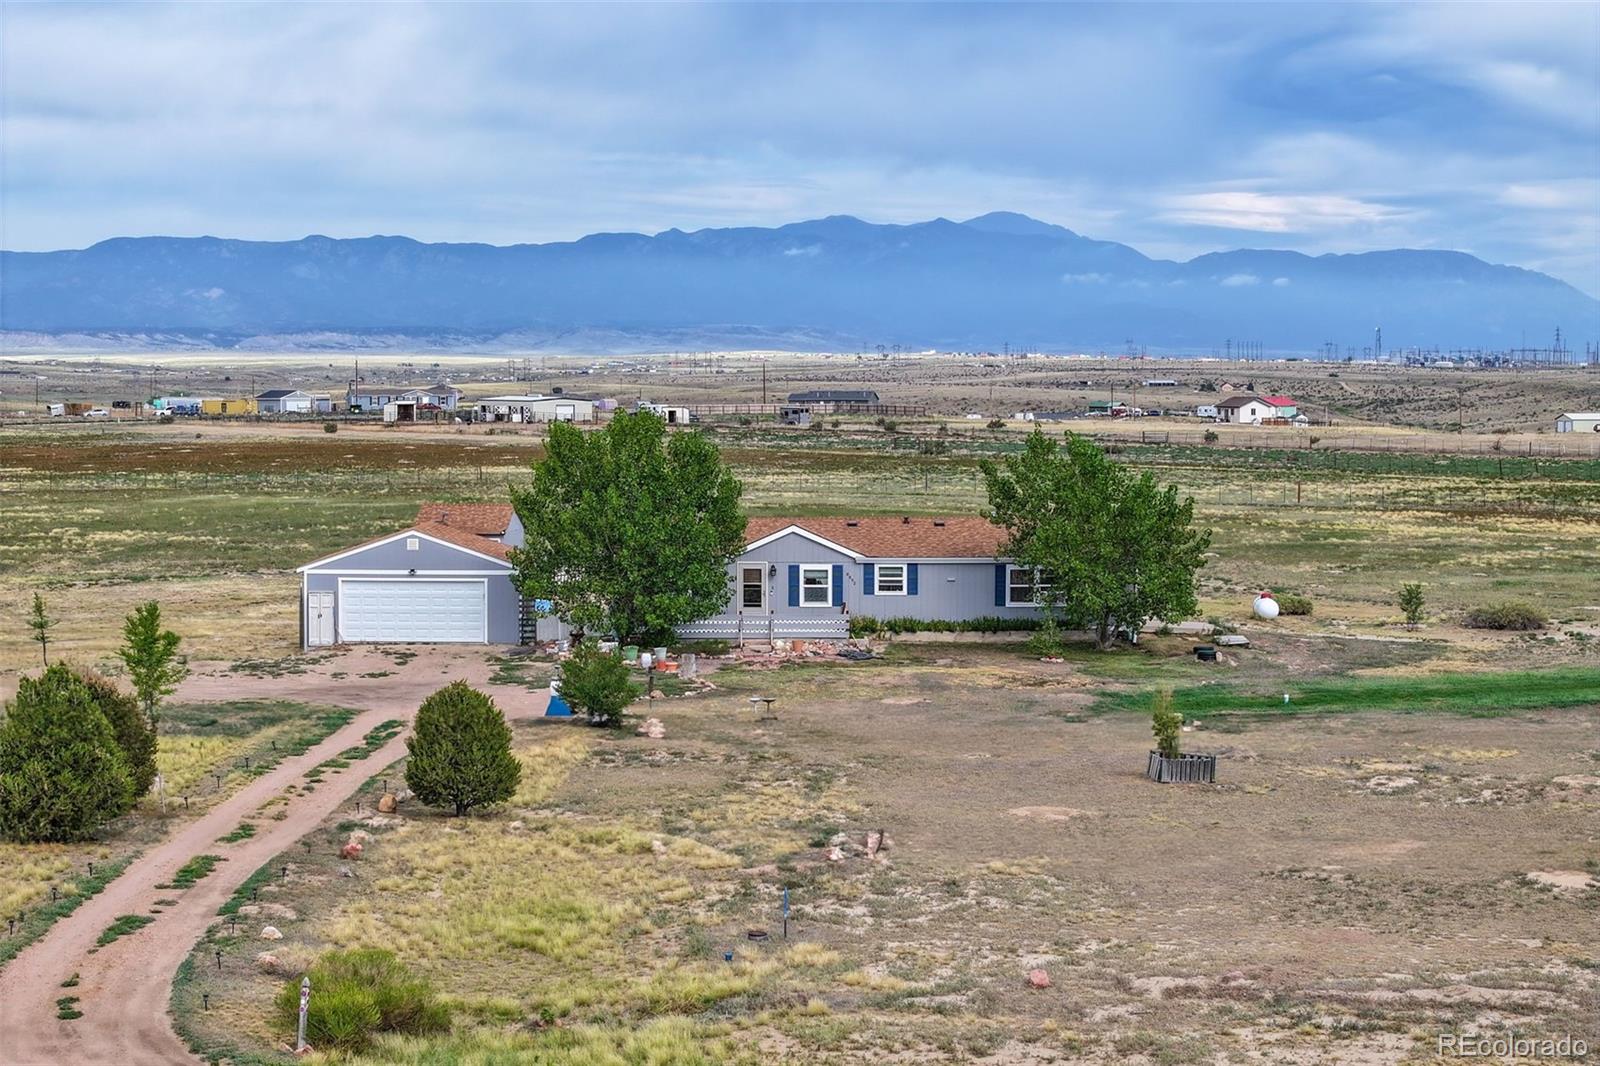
<point>1284,405</point>
<point>447,579</point>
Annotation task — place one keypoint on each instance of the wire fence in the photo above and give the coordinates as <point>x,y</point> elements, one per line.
<point>1560,446</point>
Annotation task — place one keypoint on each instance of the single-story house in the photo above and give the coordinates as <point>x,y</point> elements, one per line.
<point>446,578</point>
<point>290,402</point>
<point>1246,410</point>
<point>836,397</point>
<point>241,405</point>
<point>1107,408</point>
<point>1579,422</point>
<point>365,397</point>
<point>1285,406</point>
<point>535,408</point>
<point>805,577</point>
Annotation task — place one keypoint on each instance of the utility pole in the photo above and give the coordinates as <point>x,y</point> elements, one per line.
<point>763,383</point>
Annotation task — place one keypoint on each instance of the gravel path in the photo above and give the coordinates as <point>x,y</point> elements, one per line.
<point>124,987</point>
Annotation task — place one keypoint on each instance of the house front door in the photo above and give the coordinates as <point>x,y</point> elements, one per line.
<point>752,588</point>
<point>319,619</point>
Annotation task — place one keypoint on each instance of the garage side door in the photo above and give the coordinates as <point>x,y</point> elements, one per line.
<point>412,610</point>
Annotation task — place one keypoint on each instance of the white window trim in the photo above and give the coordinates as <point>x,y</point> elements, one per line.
<point>1034,584</point>
<point>766,594</point>
<point>827,571</point>
<point>905,580</point>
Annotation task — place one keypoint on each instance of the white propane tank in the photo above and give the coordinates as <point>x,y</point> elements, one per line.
<point>1265,606</point>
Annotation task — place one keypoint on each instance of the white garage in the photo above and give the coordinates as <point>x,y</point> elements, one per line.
<point>412,610</point>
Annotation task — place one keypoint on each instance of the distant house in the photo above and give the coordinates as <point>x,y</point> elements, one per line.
<point>1284,405</point>
<point>1579,422</point>
<point>292,402</point>
<point>535,408</point>
<point>1160,383</point>
<point>1107,408</point>
<point>365,397</point>
<point>672,414</point>
<point>836,397</point>
<point>1245,410</point>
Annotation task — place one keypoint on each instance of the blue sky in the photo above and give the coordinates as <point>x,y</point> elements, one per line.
<point>1177,129</point>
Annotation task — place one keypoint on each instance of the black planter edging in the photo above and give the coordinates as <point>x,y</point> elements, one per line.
<point>1184,768</point>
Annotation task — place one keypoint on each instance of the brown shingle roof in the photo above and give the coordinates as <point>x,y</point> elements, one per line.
<point>889,537</point>
<point>1239,401</point>
<point>484,518</point>
<point>463,538</point>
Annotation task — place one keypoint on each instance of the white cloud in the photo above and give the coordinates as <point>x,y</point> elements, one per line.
<point>1282,283</point>
<point>1269,213</point>
<point>1234,281</point>
<point>1093,278</point>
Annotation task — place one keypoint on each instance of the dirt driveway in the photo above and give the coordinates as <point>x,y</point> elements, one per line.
<point>124,987</point>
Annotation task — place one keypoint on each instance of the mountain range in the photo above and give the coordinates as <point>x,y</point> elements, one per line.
<point>835,283</point>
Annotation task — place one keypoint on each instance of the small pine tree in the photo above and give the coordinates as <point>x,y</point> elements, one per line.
<point>1411,603</point>
<point>461,751</point>
<point>596,682</point>
<point>136,736</point>
<point>62,773</point>
<point>151,655</point>
<point>41,624</point>
<point>1167,724</point>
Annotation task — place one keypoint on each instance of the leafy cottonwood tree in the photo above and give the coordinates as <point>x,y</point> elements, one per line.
<point>597,683</point>
<point>626,534</point>
<point>460,751</point>
<point>41,624</point>
<point>135,733</point>
<point>62,773</point>
<point>151,655</point>
<point>1113,548</point>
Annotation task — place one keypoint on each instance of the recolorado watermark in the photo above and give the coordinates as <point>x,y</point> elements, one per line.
<point>1509,1045</point>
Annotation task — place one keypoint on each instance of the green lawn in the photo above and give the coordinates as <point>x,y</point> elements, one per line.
<point>1460,693</point>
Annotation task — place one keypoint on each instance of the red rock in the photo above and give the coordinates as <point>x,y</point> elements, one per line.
<point>1038,979</point>
<point>351,850</point>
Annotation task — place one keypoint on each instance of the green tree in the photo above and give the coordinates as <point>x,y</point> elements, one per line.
<point>597,683</point>
<point>1411,603</point>
<point>135,733</point>
<point>1111,548</point>
<point>628,534</point>
<point>1167,725</point>
<point>61,772</point>
<point>151,655</point>
<point>461,751</point>
<point>41,624</point>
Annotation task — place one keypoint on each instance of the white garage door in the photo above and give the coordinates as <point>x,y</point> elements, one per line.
<point>413,610</point>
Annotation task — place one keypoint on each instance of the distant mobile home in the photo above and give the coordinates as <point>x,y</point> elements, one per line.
<point>535,408</point>
<point>366,397</point>
<point>292,402</point>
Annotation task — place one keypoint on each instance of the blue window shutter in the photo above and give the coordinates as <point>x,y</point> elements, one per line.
<point>838,584</point>
<point>911,579</point>
<point>869,579</point>
<point>794,585</point>
<point>999,584</point>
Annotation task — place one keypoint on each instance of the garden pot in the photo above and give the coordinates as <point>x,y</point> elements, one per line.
<point>1182,768</point>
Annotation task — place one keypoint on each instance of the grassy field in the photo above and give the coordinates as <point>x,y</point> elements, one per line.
<point>1341,895</point>
<point>214,526</point>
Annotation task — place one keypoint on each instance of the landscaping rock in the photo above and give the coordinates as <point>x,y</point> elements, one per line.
<point>267,961</point>
<point>351,850</point>
<point>1232,640</point>
<point>874,842</point>
<point>652,728</point>
<point>270,932</point>
<point>658,848</point>
<point>344,871</point>
<point>360,836</point>
<point>387,803</point>
<point>1038,979</point>
<point>836,855</point>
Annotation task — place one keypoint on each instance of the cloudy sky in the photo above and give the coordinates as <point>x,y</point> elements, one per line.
<point>1175,129</point>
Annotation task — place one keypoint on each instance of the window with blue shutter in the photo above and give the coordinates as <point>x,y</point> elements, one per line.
<point>794,585</point>
<point>911,579</point>
<point>999,584</point>
<point>838,584</point>
<point>868,579</point>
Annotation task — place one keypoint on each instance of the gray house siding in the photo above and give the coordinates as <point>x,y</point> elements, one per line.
<point>431,559</point>
<point>948,590</point>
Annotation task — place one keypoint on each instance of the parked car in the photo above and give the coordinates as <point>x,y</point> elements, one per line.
<point>97,412</point>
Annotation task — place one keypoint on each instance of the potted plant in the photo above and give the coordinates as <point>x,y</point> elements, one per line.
<point>1167,761</point>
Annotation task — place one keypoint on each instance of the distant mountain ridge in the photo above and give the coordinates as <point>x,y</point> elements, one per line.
<point>834,283</point>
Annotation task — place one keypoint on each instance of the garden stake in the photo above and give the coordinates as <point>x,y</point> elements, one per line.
<point>205,1000</point>
<point>219,959</point>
